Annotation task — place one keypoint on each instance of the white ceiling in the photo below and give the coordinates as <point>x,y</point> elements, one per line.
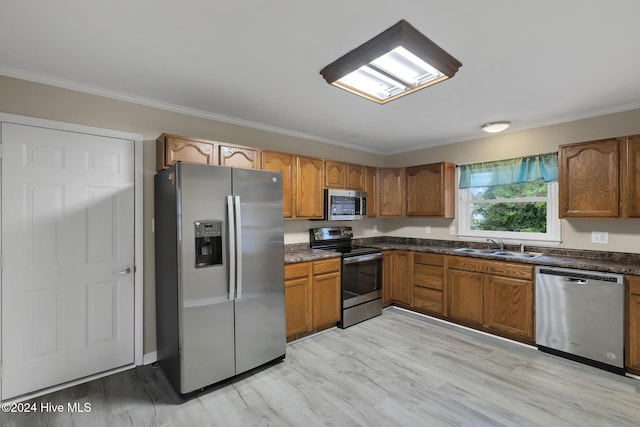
<point>257,62</point>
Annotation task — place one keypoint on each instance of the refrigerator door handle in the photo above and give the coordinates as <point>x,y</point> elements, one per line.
<point>238,237</point>
<point>232,248</point>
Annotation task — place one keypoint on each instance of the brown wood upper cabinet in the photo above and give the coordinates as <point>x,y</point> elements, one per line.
<point>309,198</point>
<point>343,175</point>
<point>238,156</point>
<point>392,191</point>
<point>589,179</point>
<point>355,177</point>
<point>285,163</point>
<point>631,174</point>
<point>371,187</point>
<point>172,148</point>
<point>431,190</point>
<point>335,174</point>
<point>599,179</point>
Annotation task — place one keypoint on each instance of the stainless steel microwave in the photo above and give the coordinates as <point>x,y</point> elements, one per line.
<point>345,204</point>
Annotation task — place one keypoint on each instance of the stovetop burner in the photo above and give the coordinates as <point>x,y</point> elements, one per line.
<point>337,239</point>
<point>360,250</point>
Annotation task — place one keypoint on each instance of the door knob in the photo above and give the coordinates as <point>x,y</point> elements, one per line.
<point>123,272</point>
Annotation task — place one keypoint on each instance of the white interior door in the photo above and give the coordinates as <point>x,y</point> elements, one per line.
<point>68,256</point>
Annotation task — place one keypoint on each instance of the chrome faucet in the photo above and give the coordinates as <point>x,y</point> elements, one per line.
<point>499,243</point>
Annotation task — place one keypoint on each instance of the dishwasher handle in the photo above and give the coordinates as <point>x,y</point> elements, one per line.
<point>576,280</point>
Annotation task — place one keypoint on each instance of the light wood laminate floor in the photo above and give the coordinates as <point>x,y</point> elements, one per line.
<point>396,369</point>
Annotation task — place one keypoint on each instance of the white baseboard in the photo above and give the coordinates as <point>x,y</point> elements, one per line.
<point>149,358</point>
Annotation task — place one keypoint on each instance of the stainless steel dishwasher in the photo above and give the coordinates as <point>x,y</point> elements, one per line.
<point>580,315</point>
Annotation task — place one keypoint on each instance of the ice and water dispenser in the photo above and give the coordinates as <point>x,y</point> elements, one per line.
<point>208,241</point>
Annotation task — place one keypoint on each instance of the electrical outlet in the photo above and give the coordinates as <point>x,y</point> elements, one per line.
<point>375,228</point>
<point>600,237</point>
<point>452,230</point>
<point>427,229</point>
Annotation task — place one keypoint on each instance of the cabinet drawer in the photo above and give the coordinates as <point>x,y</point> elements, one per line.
<point>500,268</point>
<point>428,276</point>
<point>634,285</point>
<point>293,271</point>
<point>428,259</point>
<point>428,299</point>
<point>327,266</point>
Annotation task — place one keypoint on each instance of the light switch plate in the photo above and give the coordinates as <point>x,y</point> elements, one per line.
<point>600,237</point>
<point>427,229</point>
<point>375,228</point>
<point>452,230</point>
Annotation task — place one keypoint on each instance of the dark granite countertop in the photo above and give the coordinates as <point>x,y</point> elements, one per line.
<point>612,262</point>
<point>300,252</point>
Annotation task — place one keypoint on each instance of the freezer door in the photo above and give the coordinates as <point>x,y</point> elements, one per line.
<point>207,311</point>
<point>260,318</point>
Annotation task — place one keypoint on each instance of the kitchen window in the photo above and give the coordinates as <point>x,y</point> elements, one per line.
<point>514,199</point>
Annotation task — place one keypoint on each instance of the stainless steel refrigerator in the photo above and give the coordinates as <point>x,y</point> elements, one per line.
<point>219,243</point>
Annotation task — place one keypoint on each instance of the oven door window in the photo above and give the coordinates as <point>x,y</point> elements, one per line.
<point>361,278</point>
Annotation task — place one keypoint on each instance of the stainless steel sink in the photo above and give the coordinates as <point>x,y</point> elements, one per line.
<point>498,252</point>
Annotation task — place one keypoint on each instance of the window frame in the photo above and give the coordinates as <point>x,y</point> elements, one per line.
<point>553,235</point>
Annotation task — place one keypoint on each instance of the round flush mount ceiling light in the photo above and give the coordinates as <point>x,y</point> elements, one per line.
<point>495,127</point>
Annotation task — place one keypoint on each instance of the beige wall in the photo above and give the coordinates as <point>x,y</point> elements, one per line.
<point>623,235</point>
<point>37,100</point>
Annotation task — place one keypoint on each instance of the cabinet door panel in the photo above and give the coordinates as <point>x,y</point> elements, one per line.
<point>371,187</point>
<point>355,177</point>
<point>309,187</point>
<point>335,174</point>
<point>189,151</point>
<point>282,162</point>
<point>296,297</point>
<point>589,180</point>
<point>392,192</point>
<point>509,306</point>
<point>430,190</point>
<point>465,296</point>
<point>326,300</point>
<point>239,157</point>
<point>632,178</point>
<point>401,285</point>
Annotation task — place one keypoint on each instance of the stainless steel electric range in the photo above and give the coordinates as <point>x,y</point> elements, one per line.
<point>361,273</point>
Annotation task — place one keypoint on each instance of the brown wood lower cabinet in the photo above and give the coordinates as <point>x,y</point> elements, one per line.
<point>387,278</point>
<point>633,325</point>
<point>297,298</point>
<point>465,290</point>
<point>492,295</point>
<point>428,282</point>
<point>326,293</point>
<point>312,296</point>
<point>508,305</point>
<point>401,289</point>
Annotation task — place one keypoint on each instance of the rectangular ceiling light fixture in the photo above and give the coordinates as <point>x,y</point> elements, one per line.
<point>394,63</point>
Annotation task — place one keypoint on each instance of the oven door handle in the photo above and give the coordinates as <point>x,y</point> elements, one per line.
<point>361,258</point>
